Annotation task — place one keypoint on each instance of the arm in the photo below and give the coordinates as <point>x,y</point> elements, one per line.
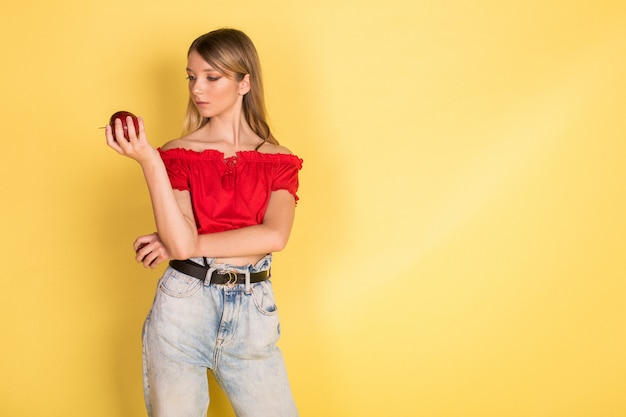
<point>270,236</point>
<point>172,209</point>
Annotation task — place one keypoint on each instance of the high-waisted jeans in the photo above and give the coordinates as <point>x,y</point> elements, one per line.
<point>194,326</point>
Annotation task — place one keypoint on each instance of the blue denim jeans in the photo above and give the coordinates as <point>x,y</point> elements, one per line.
<point>194,326</point>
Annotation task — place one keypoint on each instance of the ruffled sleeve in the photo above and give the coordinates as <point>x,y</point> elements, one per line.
<point>286,175</point>
<point>177,169</point>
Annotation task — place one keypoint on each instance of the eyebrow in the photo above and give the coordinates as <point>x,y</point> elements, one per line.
<point>204,70</point>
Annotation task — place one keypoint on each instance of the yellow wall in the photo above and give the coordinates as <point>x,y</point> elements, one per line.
<point>459,245</point>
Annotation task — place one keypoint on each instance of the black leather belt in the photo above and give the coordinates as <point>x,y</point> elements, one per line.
<point>219,277</point>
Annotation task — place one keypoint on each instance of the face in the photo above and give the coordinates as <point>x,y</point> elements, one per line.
<point>213,92</point>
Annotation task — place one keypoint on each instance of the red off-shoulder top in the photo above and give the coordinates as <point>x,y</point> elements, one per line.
<point>230,193</point>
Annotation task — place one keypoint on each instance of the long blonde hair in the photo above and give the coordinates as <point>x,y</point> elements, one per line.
<point>231,52</point>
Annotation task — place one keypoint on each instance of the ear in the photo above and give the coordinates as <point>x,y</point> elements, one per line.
<point>244,85</point>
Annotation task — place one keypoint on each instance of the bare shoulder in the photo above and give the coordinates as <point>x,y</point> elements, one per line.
<point>172,144</point>
<point>274,149</point>
<point>190,142</point>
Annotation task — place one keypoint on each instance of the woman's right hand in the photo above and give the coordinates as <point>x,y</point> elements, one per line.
<point>136,147</point>
<point>150,250</point>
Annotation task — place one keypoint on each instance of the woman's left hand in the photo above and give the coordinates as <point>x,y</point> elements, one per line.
<point>150,250</point>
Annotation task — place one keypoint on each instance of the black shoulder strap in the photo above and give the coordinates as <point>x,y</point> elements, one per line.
<point>260,144</point>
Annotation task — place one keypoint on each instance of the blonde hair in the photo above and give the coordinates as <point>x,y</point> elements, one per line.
<point>232,53</point>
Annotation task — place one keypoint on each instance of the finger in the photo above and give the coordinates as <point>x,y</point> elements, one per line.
<point>140,245</point>
<point>156,262</point>
<point>118,128</point>
<point>132,134</point>
<point>108,133</point>
<point>150,259</point>
<point>144,240</point>
<point>142,129</point>
<point>139,242</point>
<point>142,252</point>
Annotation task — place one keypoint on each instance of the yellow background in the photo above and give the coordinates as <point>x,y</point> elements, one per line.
<point>459,244</point>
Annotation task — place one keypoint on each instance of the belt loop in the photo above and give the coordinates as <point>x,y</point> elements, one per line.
<point>209,275</point>
<point>248,288</point>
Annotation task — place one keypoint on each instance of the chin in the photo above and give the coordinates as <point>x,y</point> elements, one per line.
<point>206,114</point>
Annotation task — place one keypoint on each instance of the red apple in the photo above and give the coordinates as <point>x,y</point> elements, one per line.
<point>122,115</point>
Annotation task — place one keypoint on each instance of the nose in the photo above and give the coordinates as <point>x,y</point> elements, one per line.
<point>195,86</point>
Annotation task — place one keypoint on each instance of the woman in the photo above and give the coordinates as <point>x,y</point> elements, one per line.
<point>223,197</point>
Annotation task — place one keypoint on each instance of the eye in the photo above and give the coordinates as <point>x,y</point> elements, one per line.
<point>213,78</point>
<point>191,78</point>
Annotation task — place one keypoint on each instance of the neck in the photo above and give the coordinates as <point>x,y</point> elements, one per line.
<point>233,133</point>
<point>229,130</point>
